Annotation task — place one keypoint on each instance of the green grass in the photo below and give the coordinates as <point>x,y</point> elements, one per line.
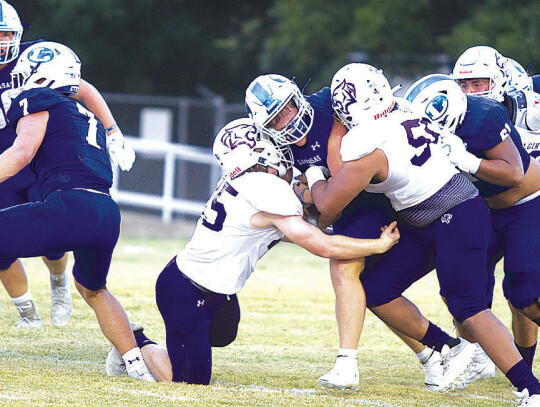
<point>287,339</point>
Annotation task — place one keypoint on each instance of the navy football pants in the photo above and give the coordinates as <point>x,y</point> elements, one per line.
<point>86,223</point>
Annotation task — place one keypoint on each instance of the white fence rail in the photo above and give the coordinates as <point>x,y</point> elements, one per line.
<point>166,202</point>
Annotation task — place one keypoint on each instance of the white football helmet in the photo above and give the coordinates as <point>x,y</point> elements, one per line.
<point>47,64</point>
<point>484,62</point>
<point>266,96</point>
<point>9,21</point>
<point>240,145</point>
<point>440,99</point>
<point>361,92</point>
<point>518,79</point>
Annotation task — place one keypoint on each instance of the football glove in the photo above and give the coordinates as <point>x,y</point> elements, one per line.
<point>458,155</point>
<point>121,154</point>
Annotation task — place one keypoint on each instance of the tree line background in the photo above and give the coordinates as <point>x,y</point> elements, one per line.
<point>173,47</point>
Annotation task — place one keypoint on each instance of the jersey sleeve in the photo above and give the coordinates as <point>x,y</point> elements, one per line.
<point>361,141</point>
<point>268,193</point>
<point>32,101</point>
<point>496,127</point>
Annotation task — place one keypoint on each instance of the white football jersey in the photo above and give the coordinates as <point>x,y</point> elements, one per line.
<point>417,165</point>
<point>225,247</point>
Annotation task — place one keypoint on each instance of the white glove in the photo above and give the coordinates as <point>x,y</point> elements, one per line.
<point>458,155</point>
<point>121,154</point>
<point>316,173</point>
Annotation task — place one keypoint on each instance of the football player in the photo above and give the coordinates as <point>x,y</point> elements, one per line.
<point>22,187</point>
<point>398,154</point>
<point>507,178</point>
<point>483,71</point>
<point>251,209</point>
<point>65,146</point>
<point>278,107</point>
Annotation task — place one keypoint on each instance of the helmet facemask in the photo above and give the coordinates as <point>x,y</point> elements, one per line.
<point>267,96</point>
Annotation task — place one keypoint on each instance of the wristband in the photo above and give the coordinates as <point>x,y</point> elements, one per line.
<point>114,126</point>
<point>472,164</point>
<point>313,175</point>
<point>302,195</point>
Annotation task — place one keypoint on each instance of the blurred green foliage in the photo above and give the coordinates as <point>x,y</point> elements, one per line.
<point>171,47</point>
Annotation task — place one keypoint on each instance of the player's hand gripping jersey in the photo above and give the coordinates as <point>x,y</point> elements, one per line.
<point>417,165</point>
<point>225,248</point>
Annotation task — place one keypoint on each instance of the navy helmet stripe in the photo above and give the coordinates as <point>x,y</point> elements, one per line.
<point>425,83</point>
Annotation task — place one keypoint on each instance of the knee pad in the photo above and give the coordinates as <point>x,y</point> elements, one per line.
<point>224,327</point>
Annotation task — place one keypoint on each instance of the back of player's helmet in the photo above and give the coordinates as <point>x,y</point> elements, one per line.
<point>47,64</point>
<point>360,92</point>
<point>440,99</point>
<point>484,62</point>
<point>11,31</point>
<point>518,78</point>
<point>266,97</point>
<point>240,145</point>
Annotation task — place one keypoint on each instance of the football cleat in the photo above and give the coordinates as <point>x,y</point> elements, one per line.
<point>344,375</point>
<point>482,367</point>
<point>433,370</point>
<point>455,361</point>
<point>114,364</point>
<point>524,400</point>
<point>61,306</point>
<point>33,322</point>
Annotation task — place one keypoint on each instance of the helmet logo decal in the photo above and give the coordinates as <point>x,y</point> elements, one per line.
<point>232,139</point>
<point>344,95</point>
<point>437,107</point>
<point>41,55</point>
<point>500,61</point>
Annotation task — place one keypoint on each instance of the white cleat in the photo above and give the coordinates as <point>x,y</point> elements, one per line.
<point>482,367</point>
<point>455,361</point>
<point>433,370</point>
<point>61,306</point>
<point>29,323</point>
<point>344,375</point>
<point>114,364</point>
<point>524,400</point>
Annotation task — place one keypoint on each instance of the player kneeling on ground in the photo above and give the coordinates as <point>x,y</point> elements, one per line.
<point>252,209</point>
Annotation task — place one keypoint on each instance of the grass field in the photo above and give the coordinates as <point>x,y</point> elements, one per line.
<point>287,339</point>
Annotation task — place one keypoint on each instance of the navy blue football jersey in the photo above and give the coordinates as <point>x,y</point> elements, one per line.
<point>315,151</point>
<point>486,124</point>
<point>73,153</point>
<point>536,83</point>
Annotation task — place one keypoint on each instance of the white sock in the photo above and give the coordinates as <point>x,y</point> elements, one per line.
<point>424,355</point>
<point>349,353</point>
<point>27,296</point>
<point>132,356</point>
<point>25,306</point>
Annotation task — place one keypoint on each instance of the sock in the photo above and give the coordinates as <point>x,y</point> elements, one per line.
<point>522,377</point>
<point>142,340</point>
<point>527,353</point>
<point>424,356</point>
<point>348,353</point>
<point>25,306</point>
<point>435,338</point>
<point>451,342</point>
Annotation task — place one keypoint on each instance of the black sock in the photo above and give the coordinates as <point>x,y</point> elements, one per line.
<point>142,340</point>
<point>453,342</point>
